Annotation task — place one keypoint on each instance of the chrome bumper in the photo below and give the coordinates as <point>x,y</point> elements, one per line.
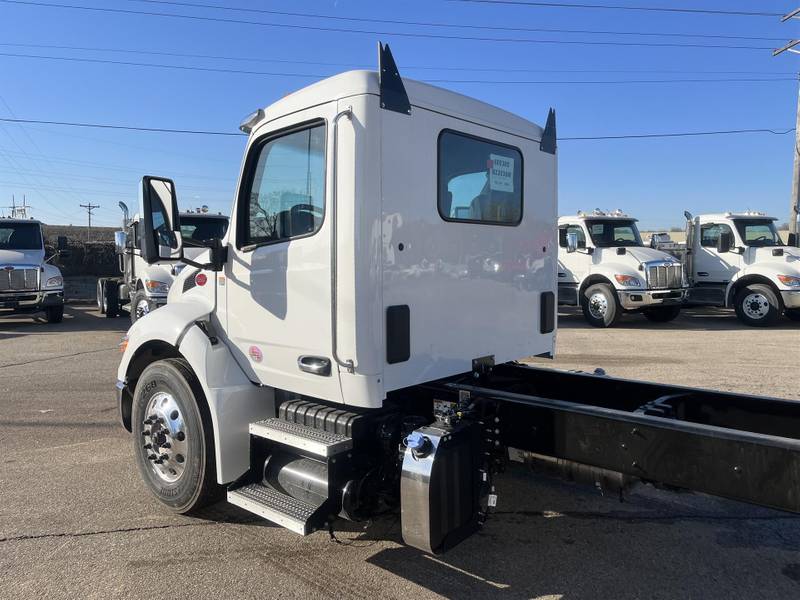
<point>791,299</point>
<point>633,299</point>
<point>30,301</point>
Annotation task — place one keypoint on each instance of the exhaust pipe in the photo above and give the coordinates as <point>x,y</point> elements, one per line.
<point>125,213</point>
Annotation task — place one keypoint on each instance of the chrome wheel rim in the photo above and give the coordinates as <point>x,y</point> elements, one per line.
<point>142,308</point>
<point>756,306</point>
<point>165,444</point>
<point>598,305</point>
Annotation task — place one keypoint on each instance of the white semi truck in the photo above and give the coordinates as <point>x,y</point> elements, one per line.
<point>604,268</point>
<point>739,260</point>
<point>333,357</point>
<point>29,283</point>
<point>143,287</point>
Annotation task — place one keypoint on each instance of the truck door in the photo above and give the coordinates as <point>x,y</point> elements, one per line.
<point>278,279</point>
<point>572,267</point>
<point>711,266</point>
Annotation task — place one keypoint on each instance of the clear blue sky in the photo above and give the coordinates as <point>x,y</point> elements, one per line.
<point>655,179</point>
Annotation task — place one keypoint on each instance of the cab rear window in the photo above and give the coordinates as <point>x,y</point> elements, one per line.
<point>480,181</point>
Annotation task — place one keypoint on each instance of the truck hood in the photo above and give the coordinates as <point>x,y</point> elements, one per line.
<point>790,257</point>
<point>21,257</point>
<point>636,254</point>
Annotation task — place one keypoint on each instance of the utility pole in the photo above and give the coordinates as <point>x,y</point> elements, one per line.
<point>19,212</point>
<point>794,208</point>
<point>89,208</point>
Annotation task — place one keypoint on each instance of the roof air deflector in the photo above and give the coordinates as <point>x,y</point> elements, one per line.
<point>393,92</point>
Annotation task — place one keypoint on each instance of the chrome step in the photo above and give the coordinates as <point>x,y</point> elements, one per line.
<point>315,441</point>
<point>264,501</point>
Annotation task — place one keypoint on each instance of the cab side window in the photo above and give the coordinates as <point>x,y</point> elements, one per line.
<point>286,196</point>
<point>709,234</point>
<point>562,235</point>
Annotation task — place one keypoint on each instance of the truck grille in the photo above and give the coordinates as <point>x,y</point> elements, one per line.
<point>664,277</point>
<point>19,280</point>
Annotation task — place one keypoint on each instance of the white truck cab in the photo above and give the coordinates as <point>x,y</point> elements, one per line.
<point>604,268</point>
<point>739,260</point>
<point>28,282</point>
<point>144,287</point>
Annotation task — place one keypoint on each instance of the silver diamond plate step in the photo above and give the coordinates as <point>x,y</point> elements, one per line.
<point>274,506</point>
<point>315,441</point>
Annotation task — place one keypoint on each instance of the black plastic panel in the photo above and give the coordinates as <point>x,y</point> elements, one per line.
<point>398,334</point>
<point>548,317</point>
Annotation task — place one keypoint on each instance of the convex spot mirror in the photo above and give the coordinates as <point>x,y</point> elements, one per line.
<point>120,241</point>
<point>572,242</point>
<point>160,220</point>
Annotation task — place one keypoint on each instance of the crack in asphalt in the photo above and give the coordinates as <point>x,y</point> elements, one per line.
<point>38,360</point>
<point>77,534</point>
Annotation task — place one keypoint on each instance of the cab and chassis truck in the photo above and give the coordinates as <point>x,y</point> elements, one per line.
<point>330,357</point>
<point>604,268</point>
<point>142,287</point>
<point>28,282</point>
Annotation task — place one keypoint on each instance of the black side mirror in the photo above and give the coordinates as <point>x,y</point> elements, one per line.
<point>794,242</point>
<point>62,242</point>
<point>160,235</point>
<point>724,243</point>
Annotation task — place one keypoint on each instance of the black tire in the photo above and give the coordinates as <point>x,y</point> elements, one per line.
<point>600,305</point>
<point>141,298</point>
<point>111,295</point>
<point>793,313</point>
<point>196,486</point>
<point>757,305</point>
<point>662,314</point>
<point>101,305</point>
<point>54,314</point>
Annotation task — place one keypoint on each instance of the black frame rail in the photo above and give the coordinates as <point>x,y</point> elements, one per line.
<point>737,446</point>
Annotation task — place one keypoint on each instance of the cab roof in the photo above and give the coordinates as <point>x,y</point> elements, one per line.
<point>421,95</point>
<point>10,220</point>
<point>732,215</point>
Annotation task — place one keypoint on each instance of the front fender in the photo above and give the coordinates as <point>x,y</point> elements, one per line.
<point>167,324</point>
<point>608,270</point>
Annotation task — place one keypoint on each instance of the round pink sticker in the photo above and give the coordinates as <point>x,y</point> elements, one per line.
<point>255,354</point>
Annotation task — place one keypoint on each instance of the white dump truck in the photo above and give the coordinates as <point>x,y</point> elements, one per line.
<point>739,260</point>
<point>333,356</point>
<point>604,268</point>
<point>29,283</point>
<point>143,287</point>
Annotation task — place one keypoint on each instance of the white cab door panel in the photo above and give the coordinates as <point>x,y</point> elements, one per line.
<point>711,266</point>
<point>278,278</point>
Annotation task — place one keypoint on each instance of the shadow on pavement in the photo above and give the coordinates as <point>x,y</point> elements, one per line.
<point>76,318</point>
<point>690,319</point>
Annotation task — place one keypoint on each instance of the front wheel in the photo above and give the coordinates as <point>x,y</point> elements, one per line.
<point>54,314</point>
<point>757,305</point>
<point>600,305</point>
<point>662,314</point>
<point>141,305</point>
<point>793,313</point>
<point>172,437</point>
<point>101,296</point>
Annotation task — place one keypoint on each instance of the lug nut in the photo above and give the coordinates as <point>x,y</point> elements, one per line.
<point>152,457</point>
<point>164,457</point>
<point>148,446</point>
<point>166,445</point>
<point>146,432</point>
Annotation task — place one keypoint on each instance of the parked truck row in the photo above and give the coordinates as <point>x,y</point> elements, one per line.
<point>311,366</point>
<point>733,260</point>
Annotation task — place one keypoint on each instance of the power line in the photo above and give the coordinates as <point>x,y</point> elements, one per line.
<point>445,24</point>
<point>322,75</point>
<point>370,66</point>
<point>378,32</point>
<point>579,138</point>
<point>686,10</point>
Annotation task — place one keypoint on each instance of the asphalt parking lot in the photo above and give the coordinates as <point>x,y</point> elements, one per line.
<point>76,522</point>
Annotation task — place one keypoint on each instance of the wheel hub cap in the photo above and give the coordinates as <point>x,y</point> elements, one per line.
<point>165,444</point>
<point>598,305</point>
<point>142,308</point>
<point>756,306</point>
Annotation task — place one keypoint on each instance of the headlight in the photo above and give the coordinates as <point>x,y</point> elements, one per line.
<point>156,287</point>
<point>57,281</point>
<point>628,280</point>
<point>789,280</point>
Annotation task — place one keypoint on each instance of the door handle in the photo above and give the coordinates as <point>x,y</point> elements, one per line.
<point>316,365</point>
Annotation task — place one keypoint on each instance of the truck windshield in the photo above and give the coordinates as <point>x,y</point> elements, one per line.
<point>609,233</point>
<point>199,230</point>
<point>758,232</point>
<point>20,236</point>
